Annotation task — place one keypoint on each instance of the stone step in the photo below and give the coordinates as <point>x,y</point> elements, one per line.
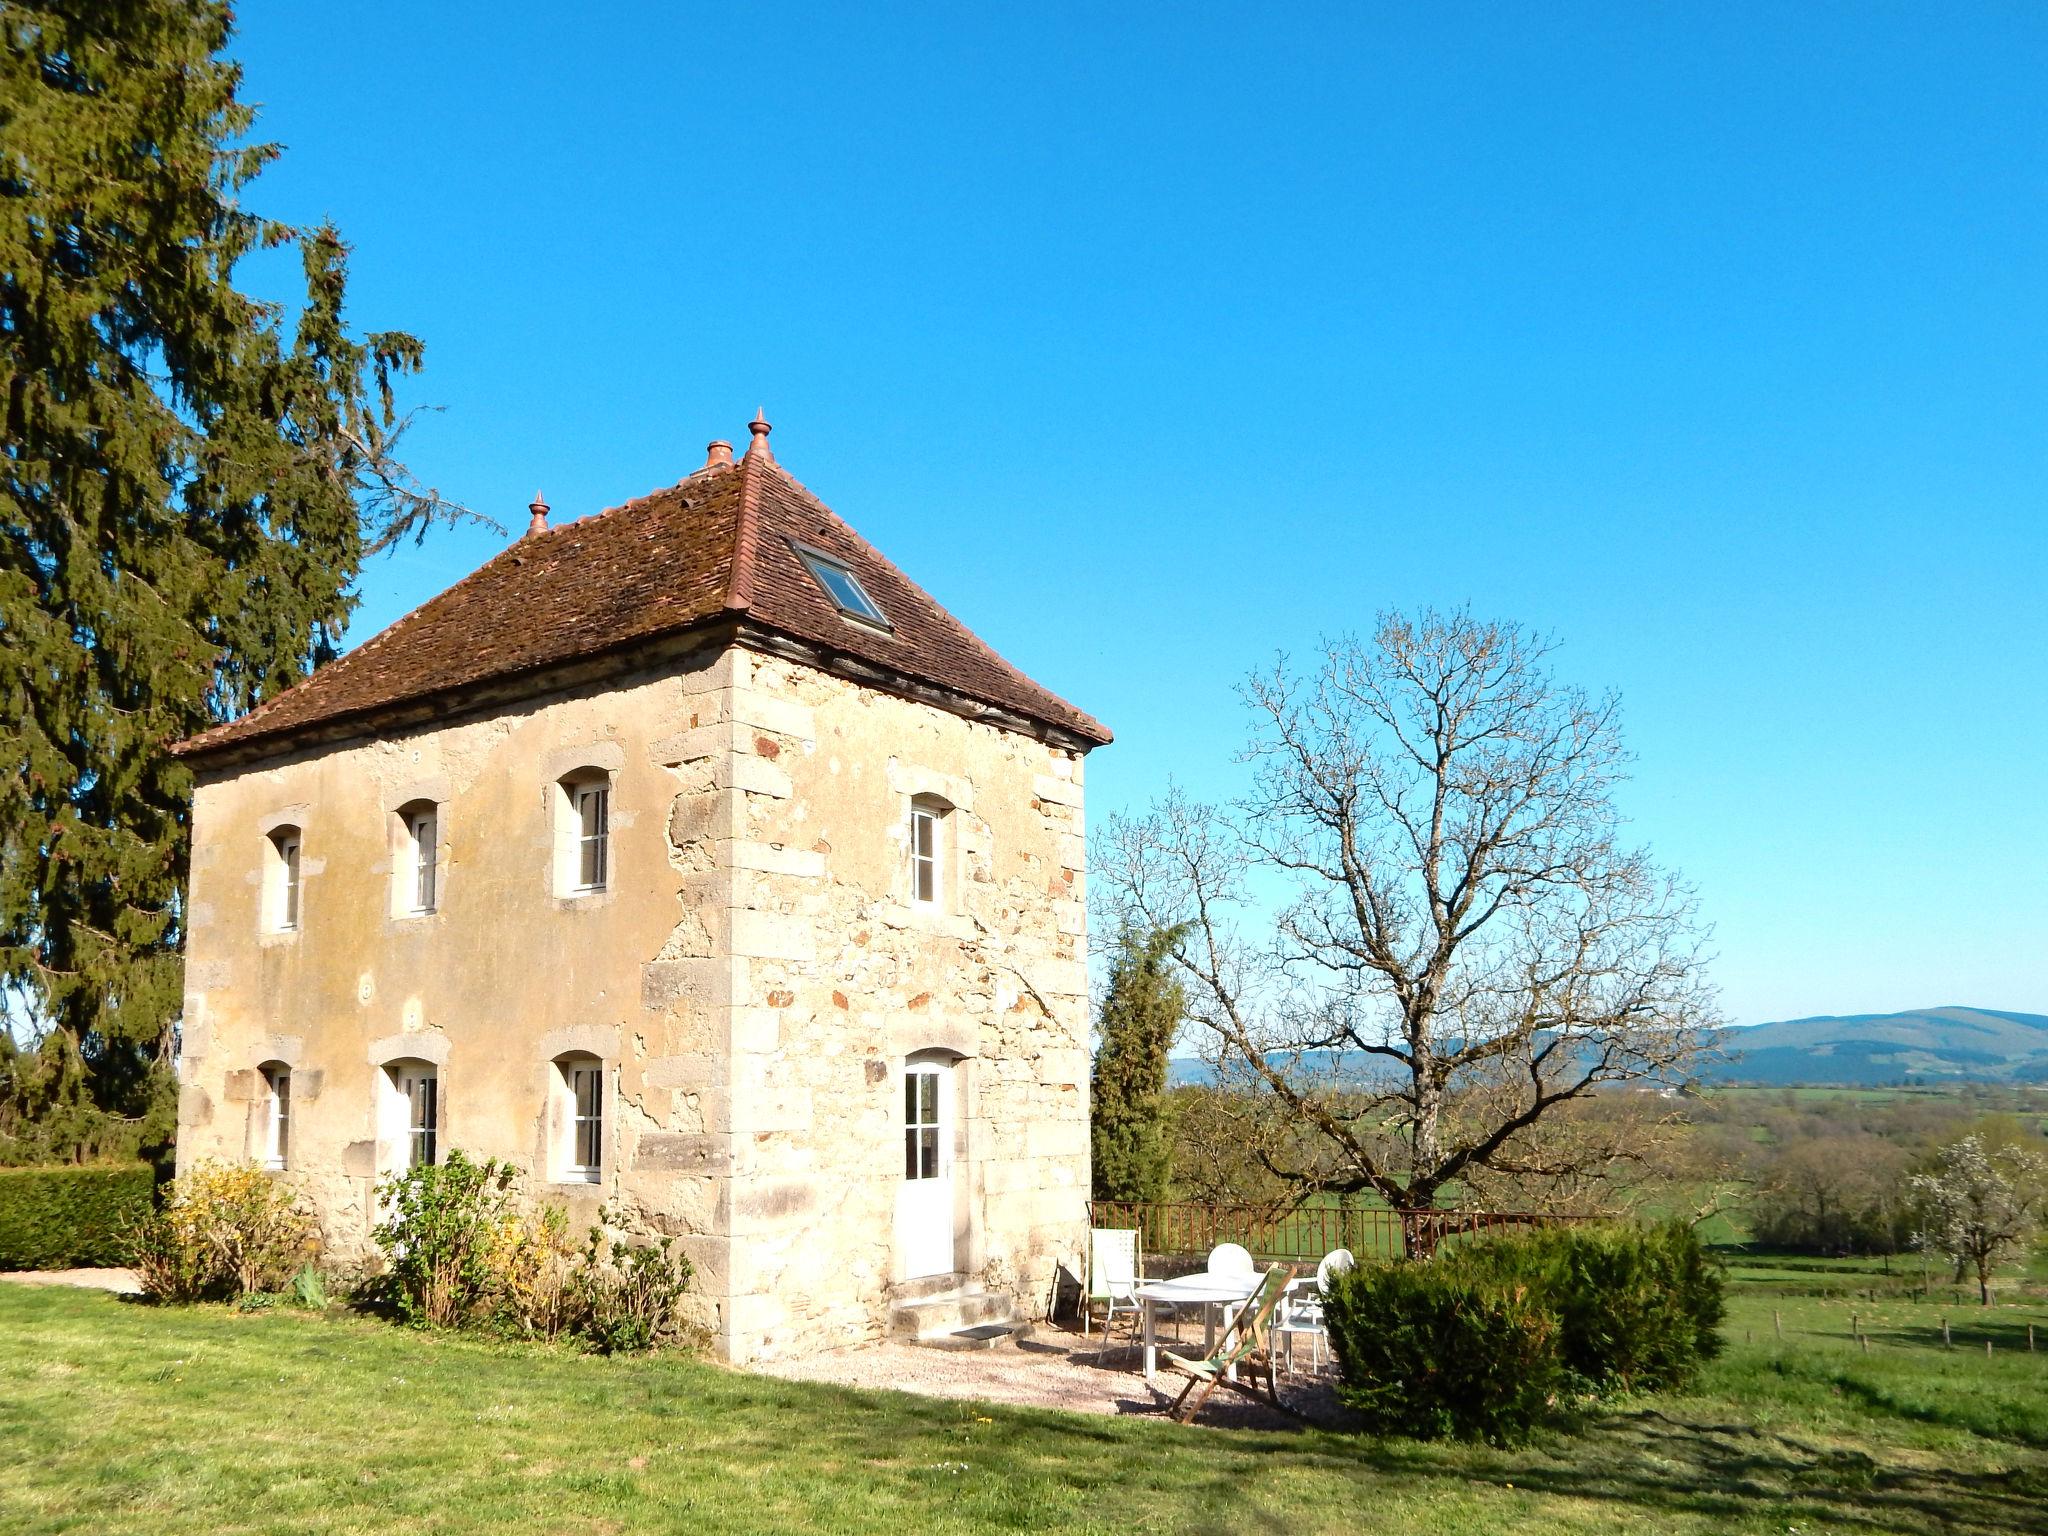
<point>935,1316</point>
<point>928,1286</point>
<point>987,1336</point>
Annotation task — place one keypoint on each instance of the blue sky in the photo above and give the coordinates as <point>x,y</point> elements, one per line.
<point>1713,339</point>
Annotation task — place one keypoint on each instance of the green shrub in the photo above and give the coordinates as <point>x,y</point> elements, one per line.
<point>224,1232</point>
<point>1428,1352</point>
<point>462,1252</point>
<point>627,1298</point>
<point>64,1218</point>
<point>1637,1308</point>
<point>443,1228</point>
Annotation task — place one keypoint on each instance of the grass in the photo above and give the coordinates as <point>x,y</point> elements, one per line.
<point>115,1416</point>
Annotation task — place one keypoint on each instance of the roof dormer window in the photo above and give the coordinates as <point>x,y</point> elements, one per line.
<point>842,586</point>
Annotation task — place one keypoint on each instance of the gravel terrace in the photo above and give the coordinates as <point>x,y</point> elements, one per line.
<point>1052,1369</point>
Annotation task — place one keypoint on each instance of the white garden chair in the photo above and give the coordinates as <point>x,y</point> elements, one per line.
<point>1230,1259</point>
<point>1114,1276</point>
<point>1301,1309</point>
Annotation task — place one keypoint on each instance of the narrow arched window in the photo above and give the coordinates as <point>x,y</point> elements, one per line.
<point>583,833</point>
<point>277,1115</point>
<point>281,880</point>
<point>409,1113</point>
<point>418,865</point>
<point>929,817</point>
<point>580,1096</point>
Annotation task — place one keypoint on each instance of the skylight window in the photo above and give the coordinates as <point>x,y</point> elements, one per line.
<point>843,587</point>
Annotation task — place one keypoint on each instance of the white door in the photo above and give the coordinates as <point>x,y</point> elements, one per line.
<point>924,1204</point>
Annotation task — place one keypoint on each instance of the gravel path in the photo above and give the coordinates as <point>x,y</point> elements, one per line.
<point>121,1281</point>
<point>1054,1369</point>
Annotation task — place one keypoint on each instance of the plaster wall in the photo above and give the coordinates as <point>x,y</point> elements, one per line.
<point>502,978</point>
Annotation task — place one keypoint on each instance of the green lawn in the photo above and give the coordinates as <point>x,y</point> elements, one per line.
<point>115,1416</point>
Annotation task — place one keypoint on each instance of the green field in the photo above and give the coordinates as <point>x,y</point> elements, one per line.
<point>116,1416</point>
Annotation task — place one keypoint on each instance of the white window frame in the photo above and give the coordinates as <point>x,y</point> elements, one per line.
<point>422,1089</point>
<point>423,847</point>
<point>585,1126</point>
<point>928,818</point>
<point>583,834</point>
<point>277,1115</point>
<point>592,803</point>
<point>287,888</point>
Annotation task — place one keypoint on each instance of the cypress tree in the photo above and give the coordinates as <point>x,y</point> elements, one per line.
<point>191,478</point>
<point>1127,1125</point>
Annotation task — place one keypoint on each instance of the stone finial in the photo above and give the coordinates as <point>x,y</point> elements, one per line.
<point>538,523</point>
<point>719,452</point>
<point>760,428</point>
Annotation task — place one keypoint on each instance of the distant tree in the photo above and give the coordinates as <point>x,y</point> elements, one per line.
<point>191,480</point>
<point>1981,1206</point>
<point>1141,1014</point>
<point>1832,1193</point>
<point>1465,944</point>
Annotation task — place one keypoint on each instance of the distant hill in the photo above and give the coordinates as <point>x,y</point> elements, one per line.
<point>1922,1045</point>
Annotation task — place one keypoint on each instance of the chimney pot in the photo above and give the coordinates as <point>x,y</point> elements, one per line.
<point>719,452</point>
<point>538,523</point>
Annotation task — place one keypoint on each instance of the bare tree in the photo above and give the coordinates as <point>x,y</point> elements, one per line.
<point>1420,936</point>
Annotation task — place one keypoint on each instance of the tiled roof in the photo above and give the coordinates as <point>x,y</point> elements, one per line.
<point>716,546</point>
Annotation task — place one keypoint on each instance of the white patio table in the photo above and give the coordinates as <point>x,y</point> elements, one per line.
<point>1208,1291</point>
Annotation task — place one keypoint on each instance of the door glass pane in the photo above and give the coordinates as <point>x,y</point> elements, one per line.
<point>928,1098</point>
<point>928,1147</point>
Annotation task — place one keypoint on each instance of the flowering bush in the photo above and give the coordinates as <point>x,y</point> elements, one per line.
<point>224,1231</point>
<point>462,1252</point>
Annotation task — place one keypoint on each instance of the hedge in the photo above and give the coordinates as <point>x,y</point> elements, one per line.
<point>1638,1308</point>
<point>1476,1341</point>
<point>72,1217</point>
<point>1427,1353</point>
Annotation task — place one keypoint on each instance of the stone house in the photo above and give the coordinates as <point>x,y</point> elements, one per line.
<point>692,858</point>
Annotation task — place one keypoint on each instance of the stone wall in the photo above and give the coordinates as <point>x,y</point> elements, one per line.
<point>848,978</point>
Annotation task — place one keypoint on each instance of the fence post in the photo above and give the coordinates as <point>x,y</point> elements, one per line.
<point>1866,1342</point>
<point>1946,1341</point>
<point>1778,1323</point>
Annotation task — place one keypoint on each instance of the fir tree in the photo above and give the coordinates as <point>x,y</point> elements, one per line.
<point>191,479</point>
<point>1141,1012</point>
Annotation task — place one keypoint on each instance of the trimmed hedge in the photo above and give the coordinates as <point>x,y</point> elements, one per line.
<point>1639,1308</point>
<point>1477,1341</point>
<point>1428,1353</point>
<point>72,1217</point>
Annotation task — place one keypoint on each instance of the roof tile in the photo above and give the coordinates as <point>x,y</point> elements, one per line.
<point>716,545</point>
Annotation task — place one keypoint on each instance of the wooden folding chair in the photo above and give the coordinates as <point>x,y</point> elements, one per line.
<point>1243,1342</point>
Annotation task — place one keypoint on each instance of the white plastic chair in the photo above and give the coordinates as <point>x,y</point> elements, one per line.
<point>1301,1309</point>
<point>1230,1259</point>
<point>1113,1277</point>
